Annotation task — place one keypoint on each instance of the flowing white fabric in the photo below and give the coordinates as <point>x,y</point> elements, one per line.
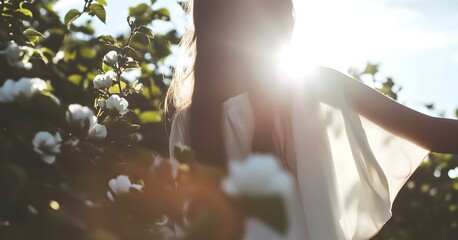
<point>348,169</point>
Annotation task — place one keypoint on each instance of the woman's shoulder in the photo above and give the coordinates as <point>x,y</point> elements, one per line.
<point>238,100</point>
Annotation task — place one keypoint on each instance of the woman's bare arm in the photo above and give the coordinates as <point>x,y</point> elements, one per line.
<point>435,134</point>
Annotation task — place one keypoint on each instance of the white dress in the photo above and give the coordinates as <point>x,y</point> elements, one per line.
<point>348,169</point>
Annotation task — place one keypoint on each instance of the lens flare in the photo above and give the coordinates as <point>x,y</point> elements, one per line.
<point>294,67</point>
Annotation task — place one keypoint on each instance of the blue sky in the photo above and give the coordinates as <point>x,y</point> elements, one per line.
<point>415,41</point>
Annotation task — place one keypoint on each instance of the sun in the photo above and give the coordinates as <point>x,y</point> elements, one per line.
<point>336,37</point>
<point>294,65</point>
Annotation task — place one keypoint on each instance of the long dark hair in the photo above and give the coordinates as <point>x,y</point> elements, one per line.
<point>202,83</point>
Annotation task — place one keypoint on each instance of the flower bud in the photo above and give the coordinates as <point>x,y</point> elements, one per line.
<point>111,58</point>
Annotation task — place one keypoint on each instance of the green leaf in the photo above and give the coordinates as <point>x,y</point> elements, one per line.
<point>32,33</point>
<point>75,79</point>
<point>48,53</point>
<point>81,68</point>
<point>33,38</point>
<point>107,39</point>
<point>163,13</point>
<point>25,12</point>
<point>106,68</point>
<point>150,117</point>
<point>99,11</point>
<point>138,10</point>
<point>129,51</point>
<point>71,16</point>
<point>103,2</point>
<point>146,31</point>
<point>456,113</point>
<point>115,88</point>
<point>39,54</point>
<point>18,14</point>
<point>69,55</point>
<point>26,5</point>
<point>371,69</point>
<point>131,65</point>
<point>8,5</point>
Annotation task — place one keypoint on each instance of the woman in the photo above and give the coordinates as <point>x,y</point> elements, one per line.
<point>343,141</point>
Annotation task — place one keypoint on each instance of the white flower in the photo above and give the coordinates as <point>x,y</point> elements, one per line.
<point>258,175</point>
<point>111,58</point>
<point>47,145</point>
<point>103,81</point>
<point>114,102</point>
<point>121,185</point>
<point>81,116</point>
<point>97,131</point>
<point>13,54</point>
<point>25,87</point>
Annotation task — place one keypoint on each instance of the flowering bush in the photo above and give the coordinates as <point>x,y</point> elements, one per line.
<point>83,145</point>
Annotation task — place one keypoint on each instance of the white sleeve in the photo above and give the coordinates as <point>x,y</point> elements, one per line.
<point>349,169</point>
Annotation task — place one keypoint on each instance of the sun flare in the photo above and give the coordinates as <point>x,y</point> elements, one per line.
<point>294,65</point>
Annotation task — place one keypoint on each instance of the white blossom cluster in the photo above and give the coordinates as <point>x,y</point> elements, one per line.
<point>84,118</point>
<point>258,175</point>
<point>121,185</point>
<point>24,87</point>
<point>104,81</point>
<point>14,55</point>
